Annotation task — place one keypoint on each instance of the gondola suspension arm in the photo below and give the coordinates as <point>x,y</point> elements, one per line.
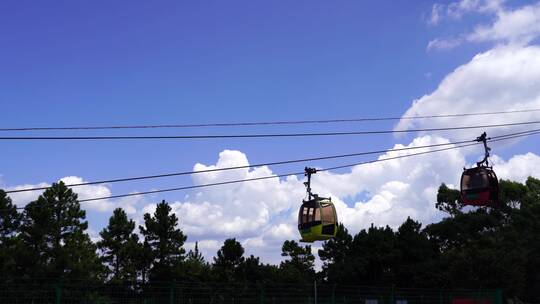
<point>308,172</point>
<point>483,138</point>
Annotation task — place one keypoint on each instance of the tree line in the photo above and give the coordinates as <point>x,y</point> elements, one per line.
<point>476,248</point>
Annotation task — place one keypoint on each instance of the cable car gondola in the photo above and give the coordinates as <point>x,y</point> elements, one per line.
<point>317,217</point>
<point>479,185</point>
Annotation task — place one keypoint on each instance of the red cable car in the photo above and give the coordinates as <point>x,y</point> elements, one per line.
<point>480,186</point>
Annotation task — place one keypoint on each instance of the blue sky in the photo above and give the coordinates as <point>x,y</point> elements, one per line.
<point>112,63</point>
<point>93,64</point>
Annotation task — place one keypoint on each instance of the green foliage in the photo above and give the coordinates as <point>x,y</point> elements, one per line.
<point>512,193</point>
<point>165,241</point>
<point>230,255</point>
<point>195,267</point>
<point>195,255</point>
<point>472,248</point>
<point>10,221</point>
<point>144,258</point>
<point>449,200</point>
<point>251,270</point>
<point>376,256</point>
<point>228,258</point>
<point>416,252</point>
<point>53,237</point>
<point>533,194</point>
<point>119,245</point>
<point>299,263</point>
<point>336,255</point>
<point>493,248</point>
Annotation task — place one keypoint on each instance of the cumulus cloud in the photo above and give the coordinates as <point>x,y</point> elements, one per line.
<point>516,26</point>
<point>518,168</point>
<point>457,9</point>
<point>207,248</point>
<point>23,198</point>
<point>84,192</point>
<point>242,209</point>
<point>262,214</point>
<point>396,188</point>
<point>519,26</point>
<point>502,79</point>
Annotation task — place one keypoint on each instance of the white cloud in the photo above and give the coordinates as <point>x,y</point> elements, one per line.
<point>393,189</point>
<point>516,26</point>
<point>396,188</point>
<point>94,235</point>
<point>83,192</point>
<point>443,44</point>
<point>263,214</point>
<point>236,210</point>
<point>519,26</point>
<point>457,9</point>
<point>90,191</point>
<point>21,199</point>
<point>207,248</point>
<point>518,168</point>
<point>504,78</point>
<point>436,14</point>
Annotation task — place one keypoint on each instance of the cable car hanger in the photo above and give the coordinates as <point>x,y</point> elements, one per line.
<point>308,172</point>
<point>483,138</point>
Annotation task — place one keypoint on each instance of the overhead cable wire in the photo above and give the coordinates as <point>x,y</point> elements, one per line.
<point>300,173</point>
<point>220,136</point>
<point>269,177</point>
<point>265,123</point>
<point>500,138</point>
<point>527,132</point>
<point>258,178</point>
<point>144,177</point>
<point>241,167</point>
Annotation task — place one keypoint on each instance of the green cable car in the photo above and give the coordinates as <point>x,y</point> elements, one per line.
<point>317,218</point>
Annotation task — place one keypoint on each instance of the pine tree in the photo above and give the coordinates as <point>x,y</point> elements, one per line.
<point>300,262</point>
<point>252,270</point>
<point>118,246</point>
<point>10,221</point>
<point>375,256</point>
<point>416,255</point>
<point>195,255</point>
<point>54,238</point>
<point>143,260</point>
<point>195,267</point>
<point>229,258</point>
<point>165,241</point>
<point>230,254</point>
<point>336,257</point>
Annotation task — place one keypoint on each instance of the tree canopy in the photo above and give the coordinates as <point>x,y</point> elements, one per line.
<point>165,241</point>
<point>469,248</point>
